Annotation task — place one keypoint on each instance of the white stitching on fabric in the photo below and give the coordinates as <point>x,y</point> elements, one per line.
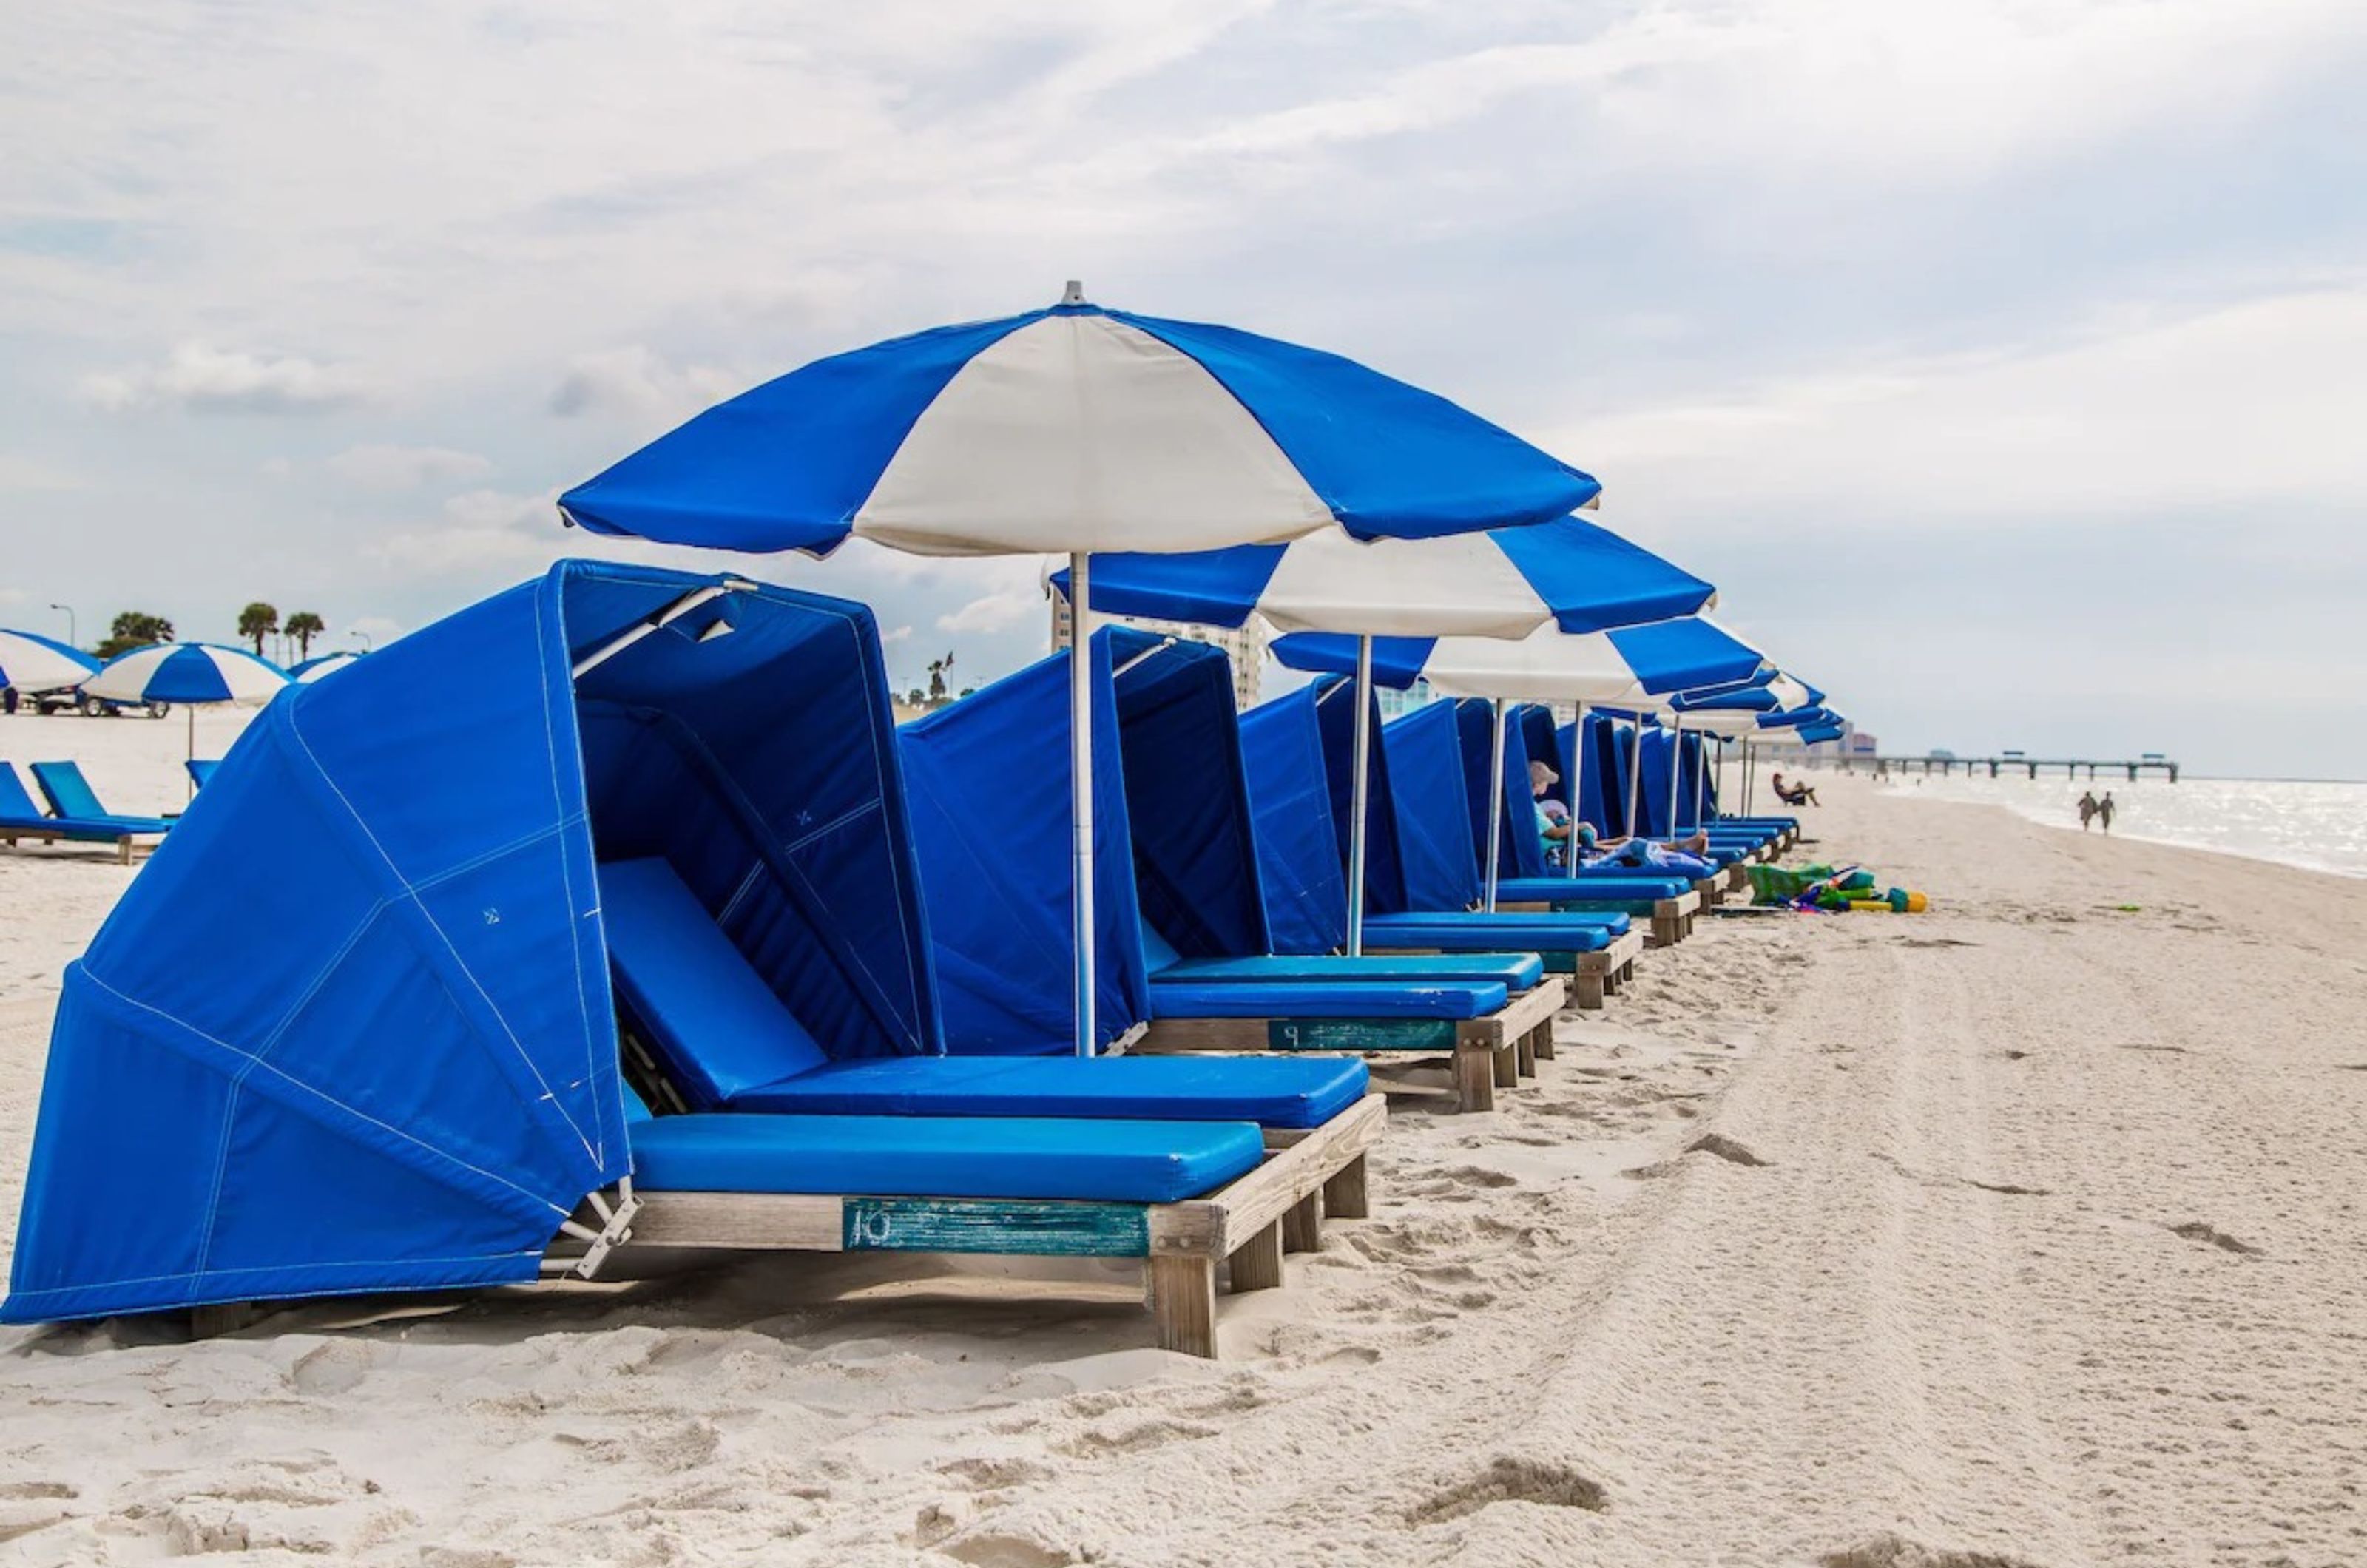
<point>425,914</point>
<point>297,1083</point>
<point>597,1148</point>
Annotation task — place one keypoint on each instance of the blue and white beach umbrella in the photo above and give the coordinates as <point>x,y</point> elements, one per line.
<point>1634,669</point>
<point>1571,574</point>
<point>190,673</point>
<point>1629,668</point>
<point>1542,582</point>
<point>32,663</point>
<point>311,669</point>
<point>1076,431</point>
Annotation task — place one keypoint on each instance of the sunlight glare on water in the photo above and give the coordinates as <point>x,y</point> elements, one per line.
<point>2321,826</point>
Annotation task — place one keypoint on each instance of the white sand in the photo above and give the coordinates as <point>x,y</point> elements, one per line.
<point>2030,1231</point>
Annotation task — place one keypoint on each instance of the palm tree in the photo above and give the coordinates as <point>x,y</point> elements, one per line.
<point>304,626</point>
<point>258,621</point>
<point>134,628</point>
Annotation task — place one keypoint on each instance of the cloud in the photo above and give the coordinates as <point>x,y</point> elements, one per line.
<point>995,612</point>
<point>640,384</point>
<point>377,630</point>
<point>382,467</point>
<point>201,379</point>
<point>476,532</point>
<point>2245,405</point>
<point>900,634</point>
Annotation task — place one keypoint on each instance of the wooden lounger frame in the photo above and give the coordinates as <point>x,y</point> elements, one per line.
<point>124,842</point>
<point>1673,918</point>
<point>1490,1052</point>
<point>1307,1176</point>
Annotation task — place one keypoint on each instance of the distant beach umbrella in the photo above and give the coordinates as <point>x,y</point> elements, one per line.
<point>1568,576</point>
<point>311,669</point>
<point>32,663</point>
<point>190,673</point>
<point>1632,669</point>
<point>1076,431</point>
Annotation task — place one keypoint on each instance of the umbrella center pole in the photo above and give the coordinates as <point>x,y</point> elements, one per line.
<point>1574,787</point>
<point>1081,789</point>
<point>1635,781</point>
<point>1497,804</point>
<point>1676,768</point>
<point>1358,794</point>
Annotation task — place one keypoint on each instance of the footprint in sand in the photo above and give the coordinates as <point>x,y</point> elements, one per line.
<point>1725,1148</point>
<point>2195,1230</point>
<point>1887,1550</point>
<point>1511,1481</point>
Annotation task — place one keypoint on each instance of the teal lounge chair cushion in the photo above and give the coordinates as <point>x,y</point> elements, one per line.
<point>728,1044</point>
<point>888,1157</point>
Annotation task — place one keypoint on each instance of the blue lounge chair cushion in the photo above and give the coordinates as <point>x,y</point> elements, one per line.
<point>721,1029</point>
<point>890,1156</point>
<point>1514,971</point>
<point>70,797</point>
<point>1323,999</point>
<point>1270,1090</point>
<point>18,812</point>
<point>1587,885</point>
<point>1452,929</point>
<point>731,1044</point>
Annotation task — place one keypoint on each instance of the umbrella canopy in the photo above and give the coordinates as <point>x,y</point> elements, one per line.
<point>1627,667</point>
<point>1570,573</point>
<point>1075,429</point>
<point>32,663</point>
<point>187,672</point>
<point>311,669</point>
<point>1568,576</point>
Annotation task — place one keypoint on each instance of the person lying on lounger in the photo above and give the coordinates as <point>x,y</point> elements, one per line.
<point>1794,794</point>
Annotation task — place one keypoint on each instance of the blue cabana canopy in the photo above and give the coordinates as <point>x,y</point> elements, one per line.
<point>411,1085</point>
<point>1432,807</point>
<point>1173,843</point>
<point>1298,750</point>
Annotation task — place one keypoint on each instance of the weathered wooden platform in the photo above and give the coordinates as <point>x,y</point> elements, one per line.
<point>125,844</point>
<point>1307,1176</point>
<point>1488,1053</point>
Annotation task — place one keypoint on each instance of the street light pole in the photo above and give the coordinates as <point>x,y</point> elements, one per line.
<point>74,633</point>
<point>366,640</point>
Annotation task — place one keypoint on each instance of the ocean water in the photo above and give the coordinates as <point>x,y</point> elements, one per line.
<point>2295,822</point>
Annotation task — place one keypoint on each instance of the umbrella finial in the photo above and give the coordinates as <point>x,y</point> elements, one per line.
<point>1073,294</point>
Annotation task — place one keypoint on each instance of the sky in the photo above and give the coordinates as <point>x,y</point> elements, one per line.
<point>2004,362</point>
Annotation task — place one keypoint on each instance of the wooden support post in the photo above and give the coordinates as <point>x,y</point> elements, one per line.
<point>1475,1078</point>
<point>1524,1055</point>
<point>1184,1303</point>
<point>1344,1196</point>
<point>1507,1066</point>
<point>1257,1265</point>
<point>222,1317</point>
<point>1590,990</point>
<point>1544,1046</point>
<point>1302,1224</point>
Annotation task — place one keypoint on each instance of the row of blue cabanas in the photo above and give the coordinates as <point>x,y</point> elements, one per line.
<point>424,1087</point>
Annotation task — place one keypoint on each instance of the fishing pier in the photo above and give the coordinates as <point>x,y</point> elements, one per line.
<point>2011,761</point>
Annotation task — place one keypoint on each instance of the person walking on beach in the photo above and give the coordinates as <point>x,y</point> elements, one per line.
<point>2104,811</point>
<point>2087,810</point>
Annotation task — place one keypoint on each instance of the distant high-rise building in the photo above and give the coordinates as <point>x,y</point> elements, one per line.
<point>1245,647</point>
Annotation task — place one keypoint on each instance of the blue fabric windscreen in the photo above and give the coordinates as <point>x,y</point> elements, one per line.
<point>988,787</point>
<point>1304,885</point>
<point>413,1085</point>
<point>1433,809</point>
<point>1195,859</point>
